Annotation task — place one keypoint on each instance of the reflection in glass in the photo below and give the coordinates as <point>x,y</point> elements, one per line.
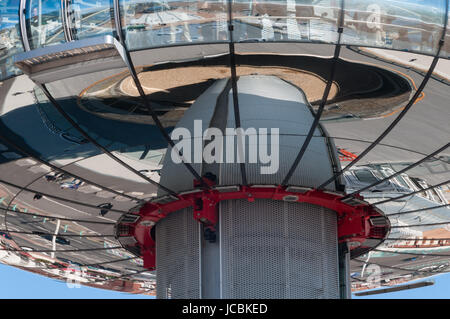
<point>286,20</point>
<point>106,105</point>
<point>445,52</point>
<point>10,42</point>
<point>400,25</point>
<point>88,18</point>
<point>44,23</point>
<point>159,23</point>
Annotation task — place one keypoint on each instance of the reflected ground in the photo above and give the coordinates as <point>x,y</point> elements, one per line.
<point>359,90</point>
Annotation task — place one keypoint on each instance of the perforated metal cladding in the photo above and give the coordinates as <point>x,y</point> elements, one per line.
<point>177,256</point>
<point>272,249</point>
<point>314,169</point>
<point>267,102</point>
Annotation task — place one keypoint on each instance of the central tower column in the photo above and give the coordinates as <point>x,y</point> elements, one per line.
<point>262,248</point>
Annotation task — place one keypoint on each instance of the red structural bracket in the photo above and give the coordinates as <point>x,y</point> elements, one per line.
<point>358,221</point>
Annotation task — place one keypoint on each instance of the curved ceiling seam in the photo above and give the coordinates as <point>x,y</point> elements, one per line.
<point>405,109</point>
<point>321,107</point>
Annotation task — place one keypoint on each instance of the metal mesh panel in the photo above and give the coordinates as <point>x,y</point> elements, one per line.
<point>259,97</point>
<point>177,256</point>
<point>314,169</point>
<point>274,249</point>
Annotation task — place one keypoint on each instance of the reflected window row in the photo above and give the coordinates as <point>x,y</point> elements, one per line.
<point>409,25</point>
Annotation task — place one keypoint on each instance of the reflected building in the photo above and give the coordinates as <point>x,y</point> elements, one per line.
<point>339,175</point>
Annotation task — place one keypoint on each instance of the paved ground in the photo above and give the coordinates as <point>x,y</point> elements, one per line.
<point>417,61</point>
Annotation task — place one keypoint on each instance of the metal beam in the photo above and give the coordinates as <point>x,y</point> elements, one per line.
<point>323,102</point>
<point>412,193</point>
<point>396,288</point>
<point>418,210</point>
<point>60,198</point>
<point>94,142</point>
<point>410,103</point>
<point>399,172</point>
<point>237,117</point>
<point>59,169</point>
<point>60,218</point>
<point>129,64</point>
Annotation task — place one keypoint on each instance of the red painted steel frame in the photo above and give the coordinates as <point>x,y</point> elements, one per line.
<point>353,221</point>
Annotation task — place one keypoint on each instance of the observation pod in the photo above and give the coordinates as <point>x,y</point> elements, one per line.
<point>243,235</point>
<point>226,149</point>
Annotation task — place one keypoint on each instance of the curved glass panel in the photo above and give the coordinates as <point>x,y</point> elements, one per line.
<point>290,20</point>
<point>400,25</point>
<point>44,23</point>
<point>10,42</point>
<point>445,52</point>
<point>88,18</point>
<point>160,23</point>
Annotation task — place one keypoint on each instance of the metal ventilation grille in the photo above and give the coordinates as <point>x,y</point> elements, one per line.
<point>129,218</point>
<point>165,199</point>
<point>378,221</point>
<point>123,230</point>
<point>274,249</point>
<point>177,256</point>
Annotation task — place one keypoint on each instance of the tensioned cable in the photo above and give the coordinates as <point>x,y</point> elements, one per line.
<point>136,273</point>
<point>321,107</point>
<point>411,239</point>
<point>405,109</point>
<point>60,169</point>
<point>125,275</point>
<point>417,210</point>
<point>403,269</point>
<point>237,117</point>
<point>129,62</point>
<point>109,262</point>
<point>94,142</point>
<point>356,140</point>
<point>61,198</point>
<point>421,225</point>
<point>414,254</point>
<point>399,172</point>
<point>98,145</point>
<point>410,194</point>
<point>60,266</point>
<point>30,183</point>
<point>10,202</point>
<point>55,217</point>
<point>38,233</point>
<point>61,251</point>
<point>98,222</point>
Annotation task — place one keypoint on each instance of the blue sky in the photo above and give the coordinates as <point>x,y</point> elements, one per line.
<point>17,283</point>
<point>440,290</point>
